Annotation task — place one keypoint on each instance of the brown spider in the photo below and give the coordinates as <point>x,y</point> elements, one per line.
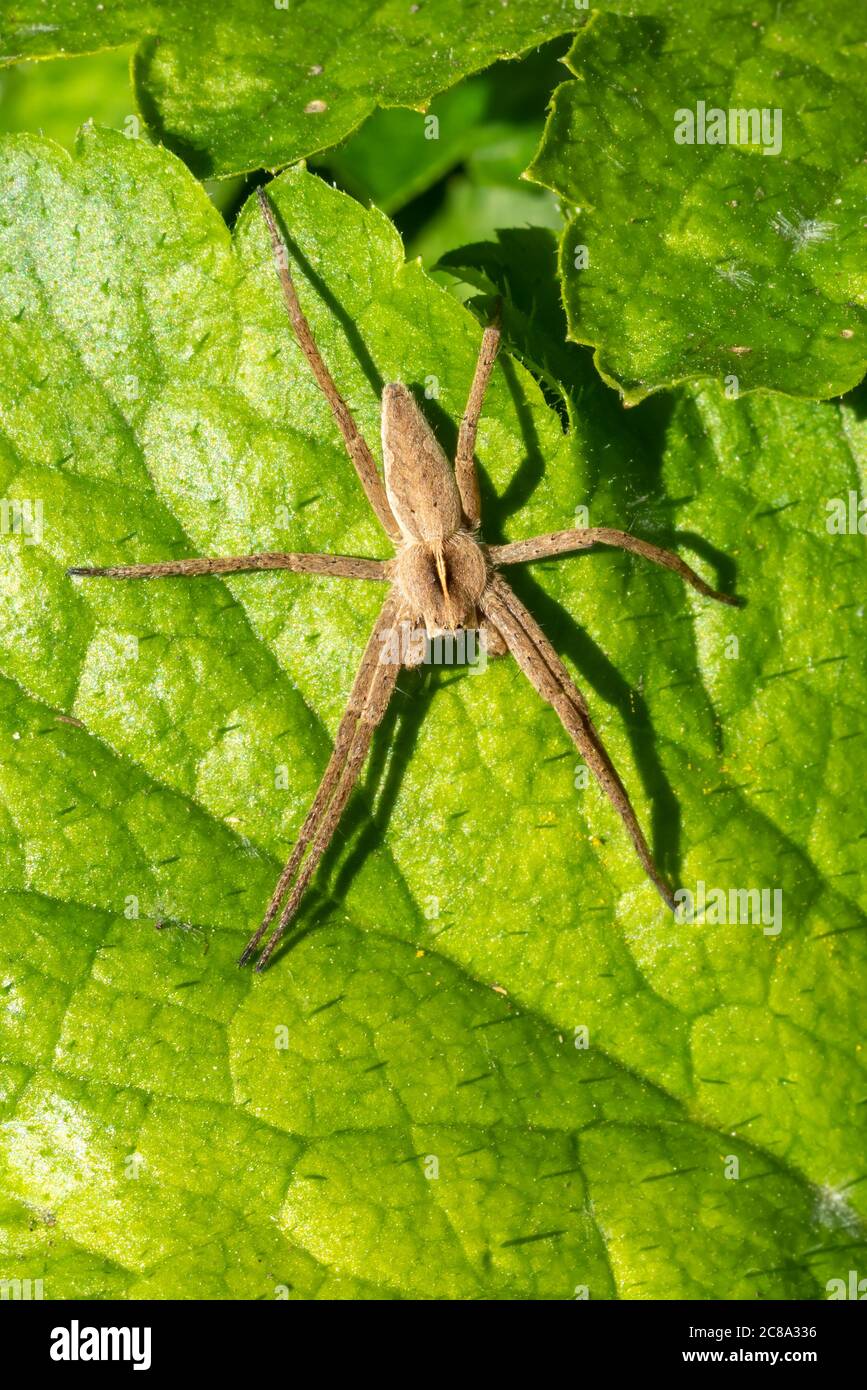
<point>441,579</point>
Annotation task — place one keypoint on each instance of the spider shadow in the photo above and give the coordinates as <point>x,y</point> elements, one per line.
<point>353,336</point>
<point>361,826</point>
<point>497,508</point>
<point>393,743</point>
<point>638,439</point>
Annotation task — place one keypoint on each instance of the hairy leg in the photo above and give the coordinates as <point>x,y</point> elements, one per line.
<point>356,446</point>
<point>465,465</point>
<point>495,644</point>
<point>561,542</point>
<point>367,703</point>
<point>380,694</point>
<point>340,566</point>
<point>546,672</point>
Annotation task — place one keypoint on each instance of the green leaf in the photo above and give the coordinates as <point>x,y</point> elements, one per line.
<point>159,745</point>
<point>519,269</point>
<point>470,209</point>
<point>262,85</point>
<point>715,260</point>
<point>491,123</point>
<point>55,99</point>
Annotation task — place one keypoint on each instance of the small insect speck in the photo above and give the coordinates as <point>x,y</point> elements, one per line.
<point>734,276</point>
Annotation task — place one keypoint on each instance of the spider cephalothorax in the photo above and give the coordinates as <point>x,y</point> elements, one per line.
<point>442,581</point>
<point>441,578</point>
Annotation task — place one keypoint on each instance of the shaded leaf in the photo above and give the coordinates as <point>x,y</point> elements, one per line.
<point>491,123</point>
<point>685,260</point>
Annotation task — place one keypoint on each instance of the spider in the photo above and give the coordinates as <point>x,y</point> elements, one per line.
<point>442,579</point>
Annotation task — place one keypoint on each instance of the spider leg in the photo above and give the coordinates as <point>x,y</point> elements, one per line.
<point>494,641</point>
<point>465,466</point>
<point>561,542</point>
<point>546,672</point>
<point>356,446</point>
<point>339,566</point>
<point>368,700</point>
